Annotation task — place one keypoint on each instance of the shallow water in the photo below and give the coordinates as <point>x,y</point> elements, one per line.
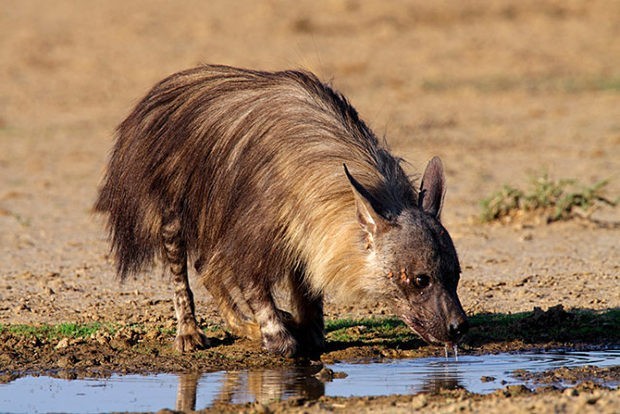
<point>189,391</point>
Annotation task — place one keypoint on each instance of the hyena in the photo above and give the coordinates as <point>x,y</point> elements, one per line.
<point>257,178</point>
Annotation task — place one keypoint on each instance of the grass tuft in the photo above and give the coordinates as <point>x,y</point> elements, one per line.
<point>376,331</point>
<point>62,330</point>
<point>553,200</point>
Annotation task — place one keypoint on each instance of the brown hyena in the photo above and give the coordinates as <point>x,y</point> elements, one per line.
<point>261,177</point>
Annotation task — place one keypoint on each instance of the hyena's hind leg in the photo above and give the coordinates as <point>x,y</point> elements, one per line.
<point>308,310</point>
<point>189,336</point>
<point>238,314</point>
<point>235,309</point>
<point>249,309</point>
<point>228,296</point>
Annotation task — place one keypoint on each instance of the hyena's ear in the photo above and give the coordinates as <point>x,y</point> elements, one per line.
<point>367,210</point>
<point>432,188</point>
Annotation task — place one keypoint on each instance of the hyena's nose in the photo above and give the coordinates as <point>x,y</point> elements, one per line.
<point>457,329</point>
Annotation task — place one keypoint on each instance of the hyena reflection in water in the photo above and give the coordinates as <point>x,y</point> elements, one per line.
<point>258,177</point>
<point>263,386</point>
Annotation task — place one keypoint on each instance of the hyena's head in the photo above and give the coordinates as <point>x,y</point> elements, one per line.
<point>416,260</point>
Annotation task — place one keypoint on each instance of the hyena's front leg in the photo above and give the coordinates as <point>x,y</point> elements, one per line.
<point>276,337</point>
<point>308,309</point>
<point>189,336</point>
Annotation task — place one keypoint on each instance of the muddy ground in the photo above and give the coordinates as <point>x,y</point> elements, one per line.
<point>499,91</point>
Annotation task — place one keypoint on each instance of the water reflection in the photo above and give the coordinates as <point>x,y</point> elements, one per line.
<point>447,378</point>
<point>246,386</point>
<point>301,382</point>
<point>193,391</point>
<point>186,393</point>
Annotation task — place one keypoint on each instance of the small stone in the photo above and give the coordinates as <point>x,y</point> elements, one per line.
<point>325,375</point>
<point>570,392</point>
<point>66,362</point>
<point>63,343</point>
<point>261,408</point>
<point>22,307</point>
<point>67,375</point>
<point>515,390</point>
<point>485,378</point>
<point>419,401</point>
<point>152,334</point>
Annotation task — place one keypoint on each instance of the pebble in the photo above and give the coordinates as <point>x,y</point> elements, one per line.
<point>63,343</point>
<point>570,392</point>
<point>515,390</point>
<point>419,401</point>
<point>261,408</point>
<point>325,375</point>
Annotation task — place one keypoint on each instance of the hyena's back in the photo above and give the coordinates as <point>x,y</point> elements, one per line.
<point>250,162</point>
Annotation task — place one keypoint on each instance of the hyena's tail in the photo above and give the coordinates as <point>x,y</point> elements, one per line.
<point>133,217</point>
<point>145,175</point>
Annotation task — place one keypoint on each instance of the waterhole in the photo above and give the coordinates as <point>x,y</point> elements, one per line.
<point>479,374</point>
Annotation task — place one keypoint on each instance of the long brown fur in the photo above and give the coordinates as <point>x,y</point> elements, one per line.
<point>251,164</point>
<point>252,161</point>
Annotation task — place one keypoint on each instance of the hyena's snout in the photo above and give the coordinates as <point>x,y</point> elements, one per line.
<point>439,320</point>
<point>456,323</point>
<point>457,327</point>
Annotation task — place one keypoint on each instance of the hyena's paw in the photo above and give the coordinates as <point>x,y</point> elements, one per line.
<point>312,339</point>
<point>189,340</point>
<point>281,343</point>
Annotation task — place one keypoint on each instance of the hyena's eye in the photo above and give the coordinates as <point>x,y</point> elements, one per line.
<point>421,281</point>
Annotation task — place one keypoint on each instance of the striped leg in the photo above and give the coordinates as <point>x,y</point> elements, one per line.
<point>276,337</point>
<point>189,336</point>
<point>235,310</point>
<point>231,302</point>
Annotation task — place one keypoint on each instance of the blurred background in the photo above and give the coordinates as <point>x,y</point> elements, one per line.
<point>498,89</point>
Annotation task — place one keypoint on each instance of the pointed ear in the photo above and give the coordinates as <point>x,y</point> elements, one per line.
<point>432,188</point>
<point>369,219</point>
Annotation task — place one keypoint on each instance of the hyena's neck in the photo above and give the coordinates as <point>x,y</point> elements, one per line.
<point>341,266</point>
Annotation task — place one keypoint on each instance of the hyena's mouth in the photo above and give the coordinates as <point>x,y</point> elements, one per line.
<point>419,328</point>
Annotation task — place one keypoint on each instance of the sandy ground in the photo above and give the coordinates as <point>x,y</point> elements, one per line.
<point>499,91</point>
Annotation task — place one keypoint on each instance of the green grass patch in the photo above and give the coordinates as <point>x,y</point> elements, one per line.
<point>62,330</point>
<point>370,331</point>
<point>552,199</point>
